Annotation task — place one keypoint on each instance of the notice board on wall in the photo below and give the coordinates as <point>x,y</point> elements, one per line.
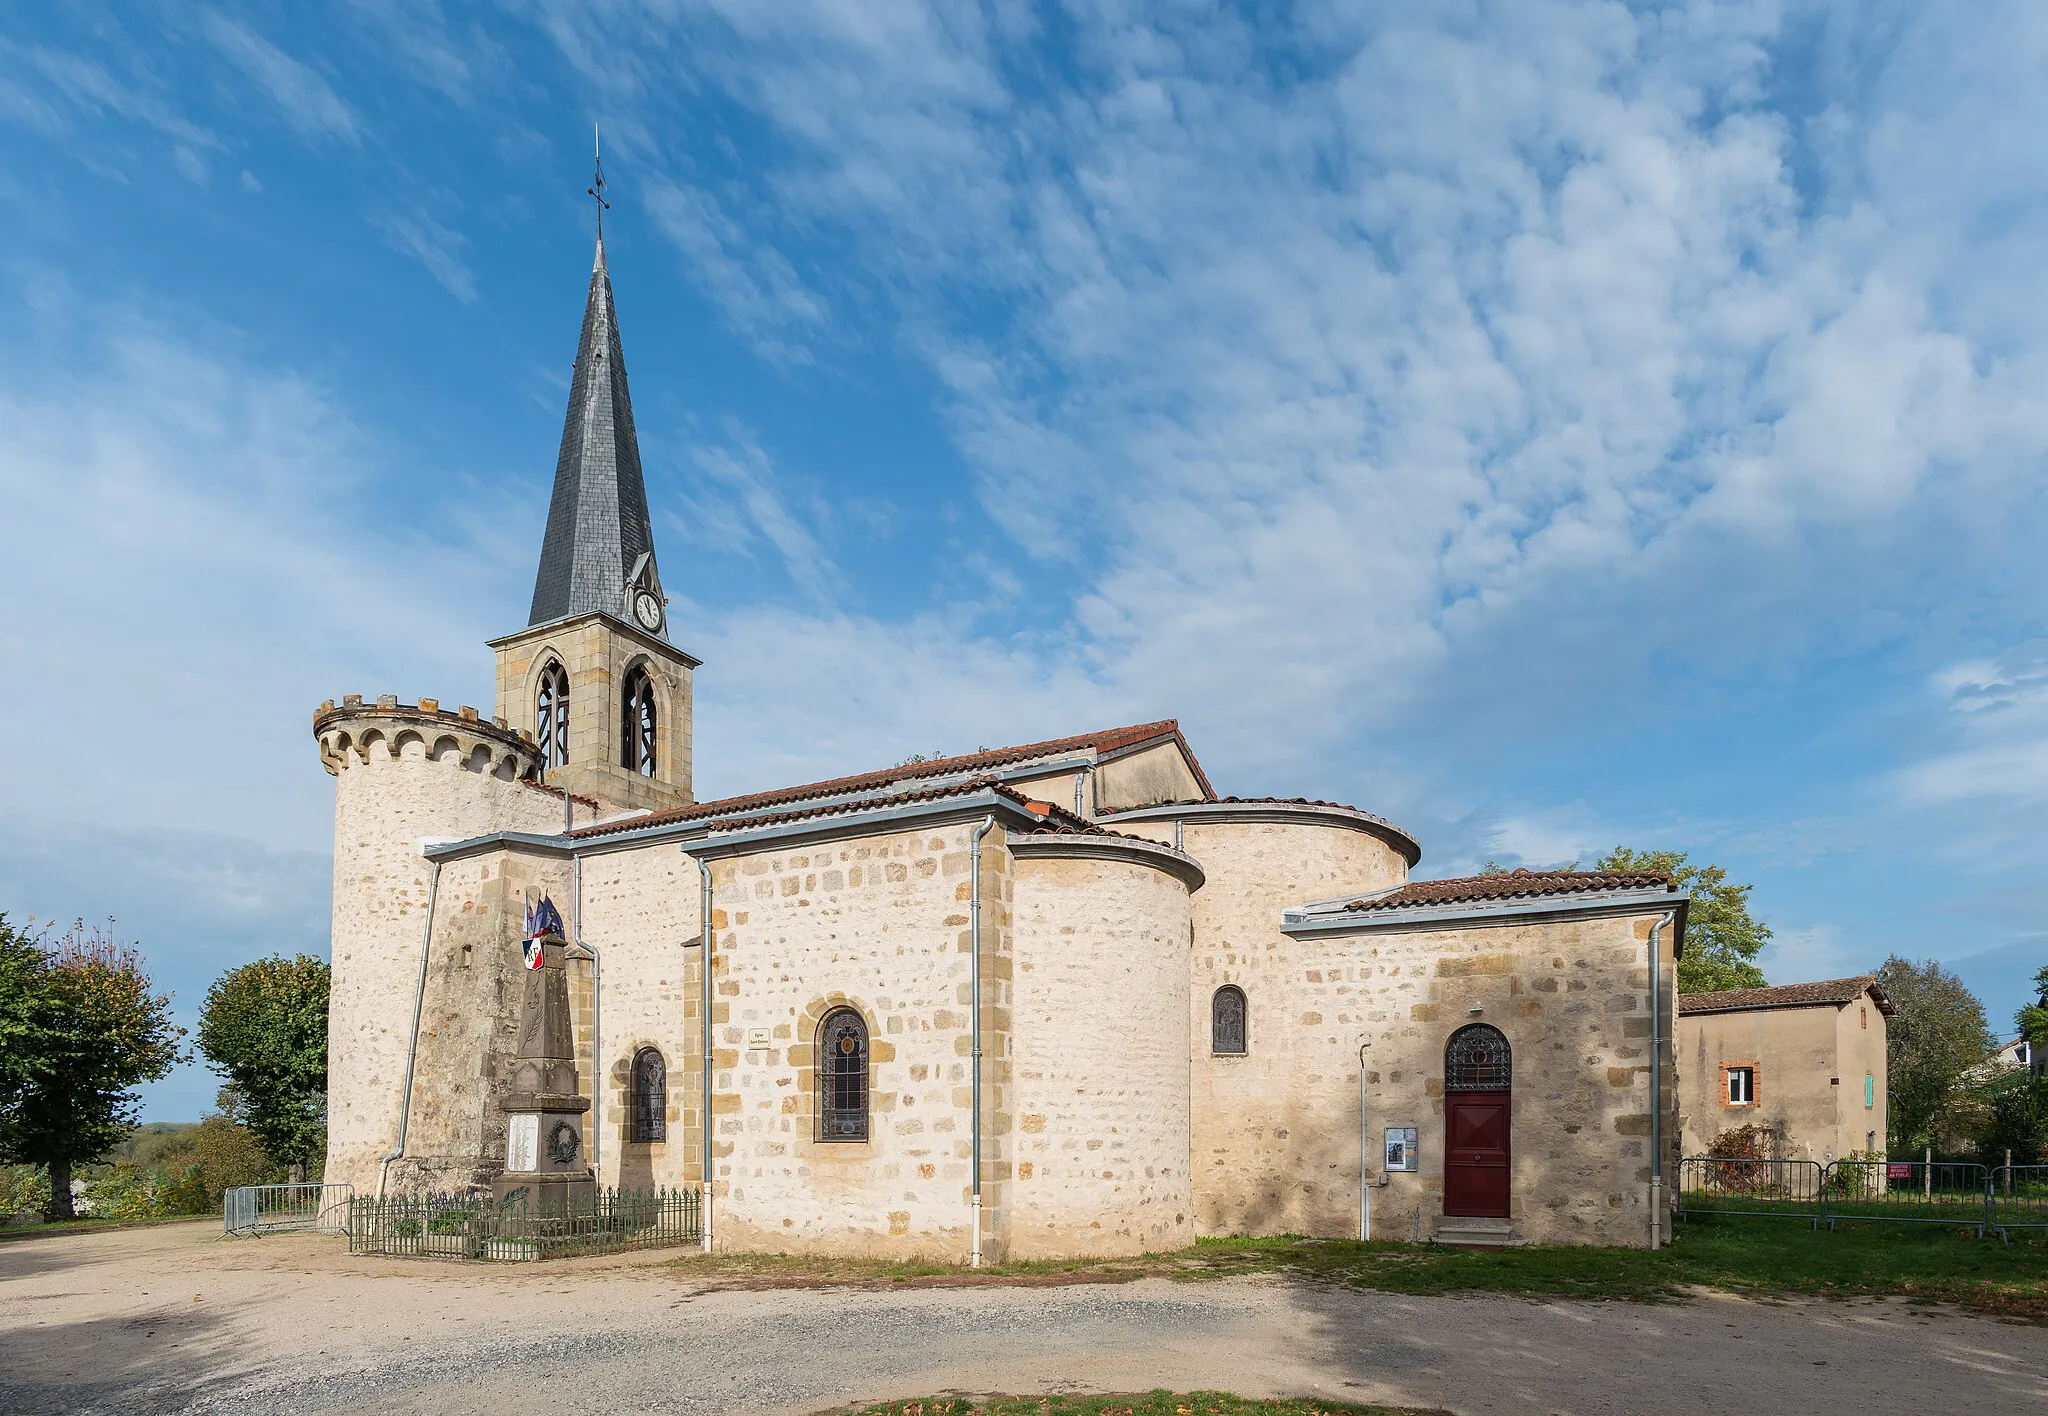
<point>1400,1149</point>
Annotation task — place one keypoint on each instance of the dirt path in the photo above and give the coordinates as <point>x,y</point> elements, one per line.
<point>176,1319</point>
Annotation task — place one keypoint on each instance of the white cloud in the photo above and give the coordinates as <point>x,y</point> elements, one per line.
<point>437,247</point>
<point>302,96</point>
<point>743,504</point>
<point>1468,357</point>
<point>1997,722</point>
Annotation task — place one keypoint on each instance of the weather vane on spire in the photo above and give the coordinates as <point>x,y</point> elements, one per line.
<point>596,189</point>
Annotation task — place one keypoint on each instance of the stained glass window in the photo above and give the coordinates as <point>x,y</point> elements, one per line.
<point>551,716</point>
<point>1476,1059</point>
<point>843,1077</point>
<point>1227,1030</point>
<point>650,1096</point>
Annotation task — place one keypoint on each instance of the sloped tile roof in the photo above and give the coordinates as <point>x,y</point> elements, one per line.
<point>1509,885</point>
<point>1789,995</point>
<point>1111,740</point>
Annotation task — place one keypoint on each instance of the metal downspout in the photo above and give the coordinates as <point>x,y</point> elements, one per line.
<point>412,1046</point>
<point>704,1030</point>
<point>1364,1155</point>
<point>974,992</point>
<point>1657,1082</point>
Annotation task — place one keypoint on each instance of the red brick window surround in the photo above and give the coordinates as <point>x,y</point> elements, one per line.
<point>1739,1084</point>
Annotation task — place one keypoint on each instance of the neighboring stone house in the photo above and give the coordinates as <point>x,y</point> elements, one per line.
<point>1806,1060</point>
<point>1054,999</point>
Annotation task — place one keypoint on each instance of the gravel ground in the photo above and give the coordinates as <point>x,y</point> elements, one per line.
<point>176,1319</point>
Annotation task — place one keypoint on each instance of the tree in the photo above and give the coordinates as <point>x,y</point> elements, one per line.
<point>22,965</point>
<point>1934,1040</point>
<point>2032,1020</point>
<point>1721,940</point>
<point>94,1030</point>
<point>264,1028</point>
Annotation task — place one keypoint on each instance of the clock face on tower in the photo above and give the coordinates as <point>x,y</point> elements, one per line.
<point>647,610</point>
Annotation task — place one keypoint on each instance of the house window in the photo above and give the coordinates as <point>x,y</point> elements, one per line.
<point>1869,1089</point>
<point>1227,1015</point>
<point>843,1077</point>
<point>650,1097</point>
<point>551,716</point>
<point>637,728</point>
<point>1741,1085</point>
<point>1864,1014</point>
<point>1477,1059</point>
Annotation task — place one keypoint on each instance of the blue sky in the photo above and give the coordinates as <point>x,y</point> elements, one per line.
<point>1546,425</point>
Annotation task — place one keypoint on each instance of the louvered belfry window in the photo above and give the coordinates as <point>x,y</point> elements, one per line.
<point>1227,1021</point>
<point>843,1077</point>
<point>637,735</point>
<point>551,716</point>
<point>650,1097</point>
<point>1477,1059</point>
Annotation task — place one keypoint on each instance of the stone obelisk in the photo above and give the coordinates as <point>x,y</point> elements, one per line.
<point>546,1167</point>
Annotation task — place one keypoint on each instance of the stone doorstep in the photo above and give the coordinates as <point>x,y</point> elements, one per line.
<point>1471,1232</point>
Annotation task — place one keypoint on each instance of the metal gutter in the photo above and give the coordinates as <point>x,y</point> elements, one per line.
<point>729,842</point>
<point>1287,812</point>
<point>1134,849</point>
<point>1580,906</point>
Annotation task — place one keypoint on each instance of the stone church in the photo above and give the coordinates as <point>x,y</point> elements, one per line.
<point>1054,999</point>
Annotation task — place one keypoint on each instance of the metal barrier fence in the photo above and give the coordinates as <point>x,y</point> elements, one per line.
<point>1909,1191</point>
<point>473,1227</point>
<point>1708,1185</point>
<point>1960,1193</point>
<point>272,1209</point>
<point>2019,1197</point>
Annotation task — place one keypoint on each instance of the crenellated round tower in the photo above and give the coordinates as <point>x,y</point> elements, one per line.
<point>405,774</point>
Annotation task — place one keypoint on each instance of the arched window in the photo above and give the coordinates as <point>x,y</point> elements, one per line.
<point>551,715</point>
<point>842,1077</point>
<point>650,1097</point>
<point>1227,1029</point>
<point>637,730</point>
<point>1476,1059</point>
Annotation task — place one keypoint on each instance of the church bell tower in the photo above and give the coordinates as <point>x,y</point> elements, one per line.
<point>593,674</point>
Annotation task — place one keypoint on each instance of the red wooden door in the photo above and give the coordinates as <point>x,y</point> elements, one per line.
<point>1476,1153</point>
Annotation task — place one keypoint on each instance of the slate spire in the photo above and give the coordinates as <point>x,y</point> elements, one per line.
<point>598,527</point>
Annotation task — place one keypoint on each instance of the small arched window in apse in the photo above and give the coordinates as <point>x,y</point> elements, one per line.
<point>650,1097</point>
<point>637,727</point>
<point>843,1077</point>
<point>551,715</point>
<point>1227,1019</point>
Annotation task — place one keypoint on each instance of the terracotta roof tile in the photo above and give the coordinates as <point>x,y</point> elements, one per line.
<point>1789,995</point>
<point>1510,885</point>
<point>1111,740</point>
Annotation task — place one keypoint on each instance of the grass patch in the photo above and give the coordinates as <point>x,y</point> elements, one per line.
<point>1753,1257</point>
<point>1757,1258</point>
<point>1156,1403</point>
<point>50,1230</point>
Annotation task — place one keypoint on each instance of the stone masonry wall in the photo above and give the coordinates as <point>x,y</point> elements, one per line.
<point>1573,999</point>
<point>1267,1159</point>
<point>383,808</point>
<point>879,924</point>
<point>640,911</point>
<point>1100,1060</point>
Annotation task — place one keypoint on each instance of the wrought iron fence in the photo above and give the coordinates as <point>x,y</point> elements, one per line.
<point>270,1209</point>
<point>2019,1198</point>
<point>474,1227</point>
<point>1790,1188</point>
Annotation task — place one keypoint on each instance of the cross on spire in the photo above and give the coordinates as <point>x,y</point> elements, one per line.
<point>596,189</point>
